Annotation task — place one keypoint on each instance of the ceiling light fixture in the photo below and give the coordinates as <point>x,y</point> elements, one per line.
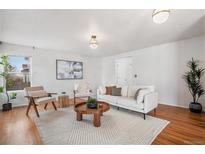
<point>159,16</point>
<point>93,42</point>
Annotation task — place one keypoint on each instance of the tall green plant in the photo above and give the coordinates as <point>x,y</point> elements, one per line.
<point>5,73</point>
<point>193,79</point>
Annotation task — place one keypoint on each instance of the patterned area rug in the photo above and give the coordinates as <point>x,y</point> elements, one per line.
<point>117,127</point>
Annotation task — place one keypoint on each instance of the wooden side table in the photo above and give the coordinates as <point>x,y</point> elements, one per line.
<point>63,100</point>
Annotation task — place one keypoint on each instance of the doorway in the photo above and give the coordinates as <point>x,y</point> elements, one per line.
<point>123,70</point>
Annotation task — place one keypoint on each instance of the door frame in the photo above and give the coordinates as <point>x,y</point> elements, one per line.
<point>123,57</point>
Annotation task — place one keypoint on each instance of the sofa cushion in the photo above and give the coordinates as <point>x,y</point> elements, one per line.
<point>129,102</point>
<point>116,91</point>
<point>108,98</point>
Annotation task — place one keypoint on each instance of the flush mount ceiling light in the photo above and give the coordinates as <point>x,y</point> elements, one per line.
<point>93,42</point>
<point>159,16</point>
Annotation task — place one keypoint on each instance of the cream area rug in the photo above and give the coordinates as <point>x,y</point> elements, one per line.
<point>117,127</point>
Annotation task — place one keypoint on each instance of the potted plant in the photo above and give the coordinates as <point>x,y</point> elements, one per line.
<point>92,103</point>
<point>193,81</point>
<point>6,67</point>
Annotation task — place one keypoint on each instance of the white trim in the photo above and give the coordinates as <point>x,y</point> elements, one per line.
<point>186,107</point>
<point>19,105</point>
<point>164,103</point>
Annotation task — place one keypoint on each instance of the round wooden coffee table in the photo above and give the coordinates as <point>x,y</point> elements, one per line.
<point>81,109</point>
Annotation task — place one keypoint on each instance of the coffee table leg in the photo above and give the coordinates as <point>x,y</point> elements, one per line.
<point>96,120</point>
<point>79,116</point>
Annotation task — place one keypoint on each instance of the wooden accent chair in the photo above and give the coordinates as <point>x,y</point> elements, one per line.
<point>37,95</point>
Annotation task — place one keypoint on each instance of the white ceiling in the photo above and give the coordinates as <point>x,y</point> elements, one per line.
<point>117,30</point>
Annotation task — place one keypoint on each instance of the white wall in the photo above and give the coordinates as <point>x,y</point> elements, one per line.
<point>162,66</point>
<point>44,69</point>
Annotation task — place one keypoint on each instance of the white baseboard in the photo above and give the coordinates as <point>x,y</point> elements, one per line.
<point>186,107</point>
<point>19,105</point>
<point>173,105</point>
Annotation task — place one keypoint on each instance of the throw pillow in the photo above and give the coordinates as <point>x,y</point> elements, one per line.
<point>116,91</point>
<point>124,91</point>
<point>137,93</point>
<point>141,95</point>
<point>109,90</point>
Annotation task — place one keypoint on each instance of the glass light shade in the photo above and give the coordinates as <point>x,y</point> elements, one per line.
<point>159,16</point>
<point>93,42</point>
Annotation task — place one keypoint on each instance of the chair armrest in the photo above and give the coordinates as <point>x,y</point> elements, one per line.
<point>34,97</point>
<point>75,91</point>
<point>50,94</point>
<point>29,97</point>
<point>150,101</point>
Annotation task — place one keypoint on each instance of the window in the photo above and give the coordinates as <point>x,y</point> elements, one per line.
<point>19,76</point>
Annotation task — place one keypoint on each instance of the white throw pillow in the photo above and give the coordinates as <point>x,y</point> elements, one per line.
<point>124,91</point>
<point>141,95</point>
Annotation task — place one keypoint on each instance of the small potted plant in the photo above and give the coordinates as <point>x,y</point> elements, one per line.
<point>194,84</point>
<point>92,103</point>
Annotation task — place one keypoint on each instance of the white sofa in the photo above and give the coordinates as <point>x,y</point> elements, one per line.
<point>146,101</point>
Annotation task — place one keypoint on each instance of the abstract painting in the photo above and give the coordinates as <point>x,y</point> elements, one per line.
<point>66,70</point>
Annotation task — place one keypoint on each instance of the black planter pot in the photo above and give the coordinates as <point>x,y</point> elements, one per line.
<point>195,107</point>
<point>7,106</point>
<point>92,106</point>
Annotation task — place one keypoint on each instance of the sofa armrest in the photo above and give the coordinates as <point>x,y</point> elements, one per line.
<point>150,102</point>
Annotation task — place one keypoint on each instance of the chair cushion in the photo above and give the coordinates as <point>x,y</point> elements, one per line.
<point>45,100</point>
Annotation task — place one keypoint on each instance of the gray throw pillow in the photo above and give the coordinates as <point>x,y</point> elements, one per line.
<point>137,93</point>
<point>116,91</point>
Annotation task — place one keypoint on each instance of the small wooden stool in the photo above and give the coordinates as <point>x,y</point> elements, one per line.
<point>63,101</point>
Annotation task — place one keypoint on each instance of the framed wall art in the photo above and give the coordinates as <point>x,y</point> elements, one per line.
<point>67,70</point>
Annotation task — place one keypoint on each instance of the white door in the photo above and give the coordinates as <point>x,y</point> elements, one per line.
<point>123,71</point>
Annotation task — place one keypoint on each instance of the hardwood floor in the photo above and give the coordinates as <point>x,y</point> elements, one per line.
<point>184,127</point>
